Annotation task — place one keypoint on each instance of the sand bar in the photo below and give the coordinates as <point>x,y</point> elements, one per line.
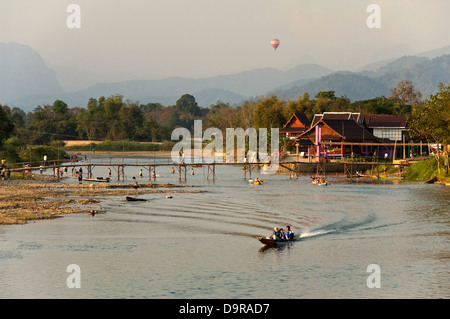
<point>45,198</point>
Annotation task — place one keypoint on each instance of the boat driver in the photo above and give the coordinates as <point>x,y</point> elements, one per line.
<point>289,234</point>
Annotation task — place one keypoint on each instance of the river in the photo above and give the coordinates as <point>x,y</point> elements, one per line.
<point>203,245</point>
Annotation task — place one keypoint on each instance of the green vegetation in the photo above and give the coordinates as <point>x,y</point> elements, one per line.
<point>119,124</point>
<point>123,146</point>
<point>427,169</point>
<point>15,152</point>
<point>431,122</point>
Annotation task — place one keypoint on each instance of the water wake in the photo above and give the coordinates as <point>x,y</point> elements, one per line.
<point>315,233</point>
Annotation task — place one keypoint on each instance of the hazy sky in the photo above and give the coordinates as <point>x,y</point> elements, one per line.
<point>148,39</point>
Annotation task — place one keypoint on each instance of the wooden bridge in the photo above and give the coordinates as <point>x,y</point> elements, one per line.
<point>61,167</point>
<point>348,168</point>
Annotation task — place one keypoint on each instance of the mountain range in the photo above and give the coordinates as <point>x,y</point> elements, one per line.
<point>26,82</point>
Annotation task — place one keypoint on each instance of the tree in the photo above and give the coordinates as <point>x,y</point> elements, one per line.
<point>42,125</point>
<point>326,94</point>
<point>378,105</point>
<point>187,104</point>
<point>431,121</point>
<point>404,97</point>
<point>222,116</point>
<point>186,111</point>
<point>6,126</point>
<point>50,122</point>
<point>86,125</point>
<point>269,113</point>
<point>59,107</point>
<point>112,106</point>
<point>132,118</point>
<point>18,118</point>
<point>247,115</point>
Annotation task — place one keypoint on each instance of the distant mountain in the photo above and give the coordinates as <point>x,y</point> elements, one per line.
<point>393,65</point>
<point>424,73</point>
<point>25,81</point>
<point>353,85</point>
<point>435,53</point>
<point>232,88</point>
<point>427,54</point>
<point>258,81</point>
<point>206,97</point>
<point>23,72</point>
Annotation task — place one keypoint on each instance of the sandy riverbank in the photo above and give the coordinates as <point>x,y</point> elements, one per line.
<point>44,198</point>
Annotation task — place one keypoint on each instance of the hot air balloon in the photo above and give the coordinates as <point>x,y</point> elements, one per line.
<point>275,43</point>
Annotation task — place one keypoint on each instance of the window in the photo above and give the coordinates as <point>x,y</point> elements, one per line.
<point>389,133</point>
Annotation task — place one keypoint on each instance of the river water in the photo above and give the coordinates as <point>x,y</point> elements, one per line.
<point>203,245</point>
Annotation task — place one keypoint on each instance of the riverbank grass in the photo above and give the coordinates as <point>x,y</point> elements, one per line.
<point>427,169</point>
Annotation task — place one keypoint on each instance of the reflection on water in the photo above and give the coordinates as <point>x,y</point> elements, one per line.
<point>204,245</point>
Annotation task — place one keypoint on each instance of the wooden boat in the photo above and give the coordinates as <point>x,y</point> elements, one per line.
<point>134,199</point>
<point>273,242</point>
<point>431,180</point>
<point>98,179</point>
<point>370,176</point>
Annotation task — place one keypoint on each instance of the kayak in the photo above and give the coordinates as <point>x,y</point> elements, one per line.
<point>273,242</point>
<point>98,179</point>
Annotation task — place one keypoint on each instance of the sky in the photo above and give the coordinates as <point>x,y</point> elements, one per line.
<point>151,39</point>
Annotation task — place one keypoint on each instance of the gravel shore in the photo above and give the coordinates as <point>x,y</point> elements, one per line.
<point>44,198</point>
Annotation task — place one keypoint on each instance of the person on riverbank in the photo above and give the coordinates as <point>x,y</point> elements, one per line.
<point>140,173</point>
<point>136,185</point>
<point>109,172</point>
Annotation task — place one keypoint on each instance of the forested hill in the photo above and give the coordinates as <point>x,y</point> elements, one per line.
<point>423,72</point>
<point>354,86</point>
